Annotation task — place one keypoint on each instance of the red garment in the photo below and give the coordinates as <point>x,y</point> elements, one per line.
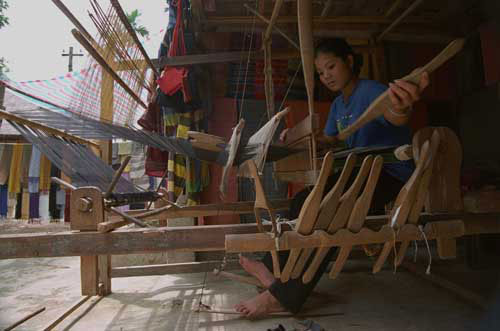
<point>174,79</point>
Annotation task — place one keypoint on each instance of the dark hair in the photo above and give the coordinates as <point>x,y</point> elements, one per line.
<point>340,48</point>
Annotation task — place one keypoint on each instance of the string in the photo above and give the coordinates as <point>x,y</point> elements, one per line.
<point>248,64</point>
<point>428,270</point>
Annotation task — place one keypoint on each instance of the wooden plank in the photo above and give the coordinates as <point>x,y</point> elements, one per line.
<point>195,238</point>
<point>172,269</point>
<point>136,240</point>
<point>89,274</point>
<point>104,271</point>
<point>257,242</point>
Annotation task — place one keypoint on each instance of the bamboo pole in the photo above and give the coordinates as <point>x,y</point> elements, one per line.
<point>399,19</point>
<point>58,320</point>
<point>281,32</point>
<point>274,16</point>
<point>24,319</point>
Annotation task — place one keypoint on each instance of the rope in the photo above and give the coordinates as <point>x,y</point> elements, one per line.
<point>428,270</point>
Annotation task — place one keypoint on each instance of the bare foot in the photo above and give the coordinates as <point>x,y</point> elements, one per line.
<point>258,270</point>
<point>259,306</point>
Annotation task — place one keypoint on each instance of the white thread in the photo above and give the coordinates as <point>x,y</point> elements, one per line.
<point>428,270</point>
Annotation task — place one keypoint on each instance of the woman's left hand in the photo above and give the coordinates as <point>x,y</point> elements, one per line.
<point>404,94</point>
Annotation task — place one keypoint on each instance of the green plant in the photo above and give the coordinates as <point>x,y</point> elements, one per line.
<point>132,19</point>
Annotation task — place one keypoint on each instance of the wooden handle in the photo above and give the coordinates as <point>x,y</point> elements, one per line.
<point>358,215</point>
<point>341,216</point>
<point>383,102</point>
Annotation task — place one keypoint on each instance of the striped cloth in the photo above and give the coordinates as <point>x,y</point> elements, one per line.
<point>184,174</point>
<point>79,92</point>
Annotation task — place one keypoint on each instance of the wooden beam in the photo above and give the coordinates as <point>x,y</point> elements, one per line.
<point>171,269</point>
<point>224,57</point>
<point>171,211</point>
<point>242,20</point>
<point>260,242</point>
<point>130,241</point>
<point>231,208</point>
<point>398,20</point>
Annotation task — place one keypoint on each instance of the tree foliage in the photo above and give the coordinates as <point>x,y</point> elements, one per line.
<point>4,20</point>
<point>133,20</point>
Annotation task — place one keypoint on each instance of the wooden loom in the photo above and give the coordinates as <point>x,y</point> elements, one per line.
<point>339,219</point>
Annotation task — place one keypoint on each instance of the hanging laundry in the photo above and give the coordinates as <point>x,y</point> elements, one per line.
<point>45,167</point>
<point>15,169</point>
<point>44,207</point>
<point>34,210</point>
<point>25,208</point>
<point>5,161</point>
<point>4,199</point>
<point>34,171</point>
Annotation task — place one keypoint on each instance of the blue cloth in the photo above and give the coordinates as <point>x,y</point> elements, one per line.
<point>4,197</point>
<point>378,132</point>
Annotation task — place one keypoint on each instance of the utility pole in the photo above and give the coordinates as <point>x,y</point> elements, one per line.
<point>70,54</point>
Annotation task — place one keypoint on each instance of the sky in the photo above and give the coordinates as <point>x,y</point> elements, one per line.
<point>39,32</point>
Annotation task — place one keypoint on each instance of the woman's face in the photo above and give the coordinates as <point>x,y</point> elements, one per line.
<point>334,72</point>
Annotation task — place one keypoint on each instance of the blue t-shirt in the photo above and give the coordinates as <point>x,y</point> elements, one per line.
<point>378,132</point>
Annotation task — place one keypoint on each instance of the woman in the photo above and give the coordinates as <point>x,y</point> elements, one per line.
<point>338,68</point>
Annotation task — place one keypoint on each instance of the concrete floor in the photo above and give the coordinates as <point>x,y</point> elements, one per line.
<point>385,301</point>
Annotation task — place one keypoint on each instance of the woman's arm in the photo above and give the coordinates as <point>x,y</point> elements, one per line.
<point>403,95</point>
